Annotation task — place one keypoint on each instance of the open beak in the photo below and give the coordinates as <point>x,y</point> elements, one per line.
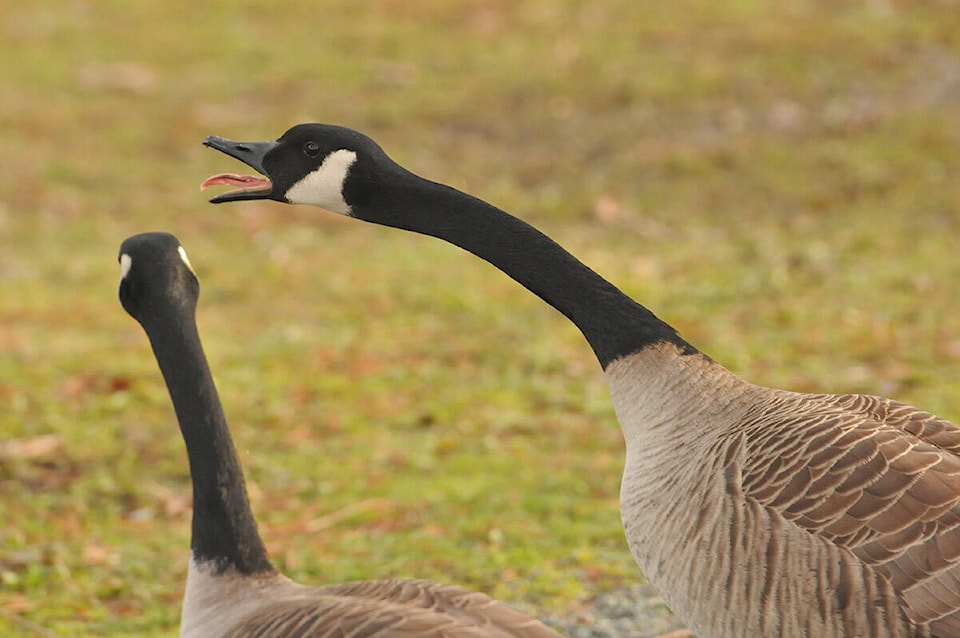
<point>248,186</point>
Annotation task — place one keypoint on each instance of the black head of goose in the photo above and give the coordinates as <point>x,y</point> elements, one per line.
<point>232,587</point>
<point>754,511</point>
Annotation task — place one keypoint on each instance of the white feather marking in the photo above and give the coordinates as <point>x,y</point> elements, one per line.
<point>126,261</point>
<point>185,259</point>
<point>324,186</point>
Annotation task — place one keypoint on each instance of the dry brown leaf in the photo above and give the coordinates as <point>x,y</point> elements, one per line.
<point>42,446</point>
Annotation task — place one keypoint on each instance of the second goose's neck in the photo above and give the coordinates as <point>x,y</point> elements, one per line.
<point>612,323</point>
<point>224,532</point>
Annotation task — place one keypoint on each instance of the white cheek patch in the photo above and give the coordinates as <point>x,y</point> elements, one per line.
<point>185,259</point>
<point>126,261</point>
<point>324,186</point>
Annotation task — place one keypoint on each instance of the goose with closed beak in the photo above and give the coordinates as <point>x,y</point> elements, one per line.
<point>232,587</point>
<point>754,511</point>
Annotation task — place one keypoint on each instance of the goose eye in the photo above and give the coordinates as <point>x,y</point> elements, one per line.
<point>312,149</point>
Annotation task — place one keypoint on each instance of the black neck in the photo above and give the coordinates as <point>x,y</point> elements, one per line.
<point>612,323</point>
<point>224,530</point>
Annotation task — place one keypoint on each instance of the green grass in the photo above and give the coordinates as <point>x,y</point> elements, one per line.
<point>781,181</point>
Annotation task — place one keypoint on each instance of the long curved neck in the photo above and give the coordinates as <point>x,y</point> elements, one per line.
<point>224,531</point>
<point>612,323</point>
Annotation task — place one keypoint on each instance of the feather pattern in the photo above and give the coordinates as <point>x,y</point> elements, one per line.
<point>787,502</point>
<point>397,608</point>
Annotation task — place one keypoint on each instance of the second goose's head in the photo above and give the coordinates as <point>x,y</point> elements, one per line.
<point>319,164</point>
<point>155,271</point>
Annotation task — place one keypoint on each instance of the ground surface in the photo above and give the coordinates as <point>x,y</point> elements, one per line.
<point>781,181</point>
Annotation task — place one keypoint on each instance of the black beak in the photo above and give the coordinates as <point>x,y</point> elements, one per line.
<point>250,153</point>
<point>250,186</point>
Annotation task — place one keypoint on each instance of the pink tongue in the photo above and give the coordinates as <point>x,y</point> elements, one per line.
<point>243,182</point>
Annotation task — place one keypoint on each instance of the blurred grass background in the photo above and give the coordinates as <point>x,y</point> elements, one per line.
<point>779,180</point>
